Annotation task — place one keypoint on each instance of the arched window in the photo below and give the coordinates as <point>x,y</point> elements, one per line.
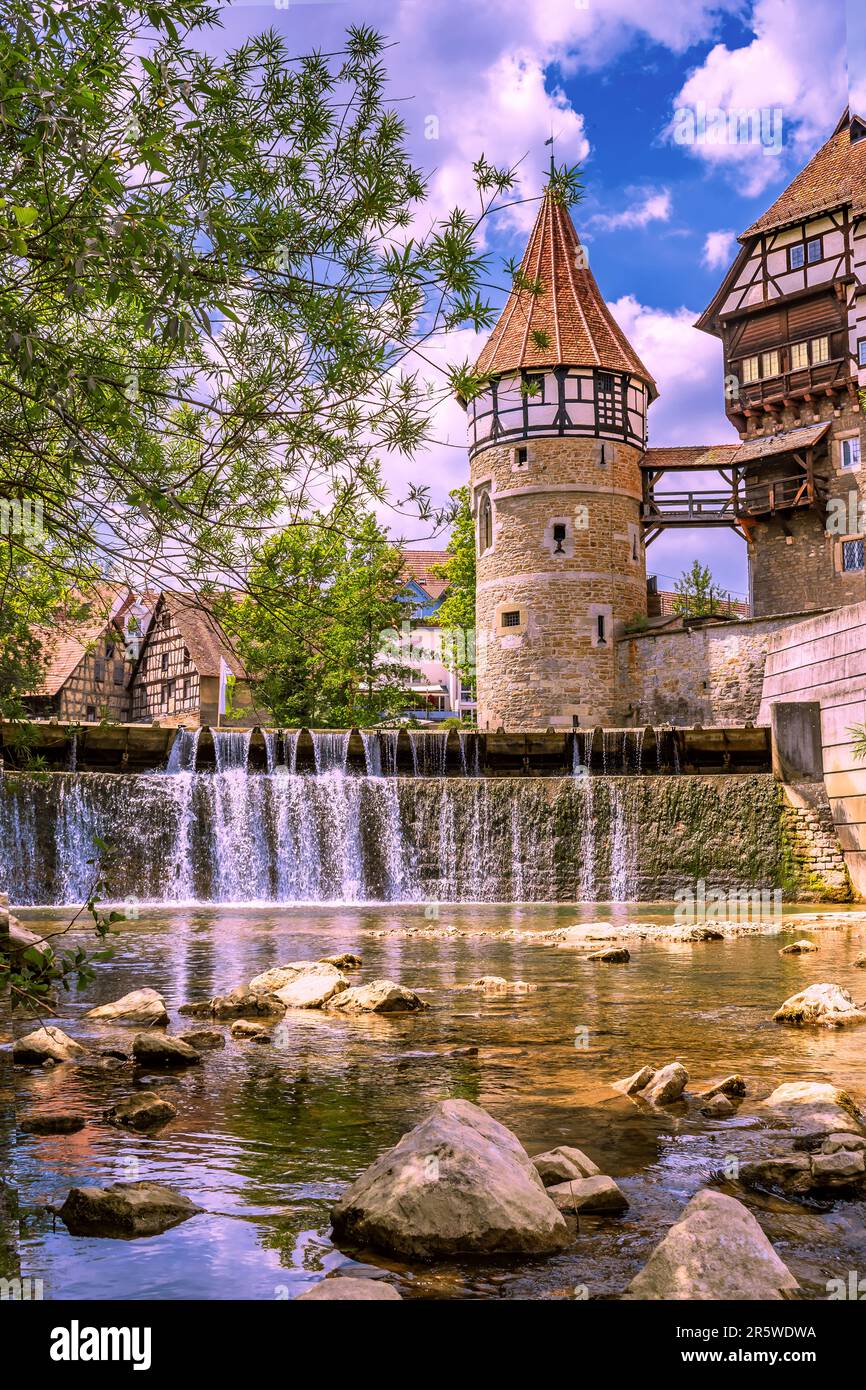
<point>485,524</point>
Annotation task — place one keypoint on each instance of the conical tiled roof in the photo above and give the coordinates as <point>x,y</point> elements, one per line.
<point>825,183</point>
<point>568,323</point>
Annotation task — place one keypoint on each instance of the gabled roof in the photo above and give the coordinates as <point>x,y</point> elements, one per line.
<point>420,564</point>
<point>66,640</point>
<point>568,323</point>
<point>825,183</point>
<point>203,635</point>
<point>802,437</point>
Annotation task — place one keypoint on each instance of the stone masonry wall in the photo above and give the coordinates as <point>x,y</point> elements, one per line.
<point>548,669</point>
<point>705,675</point>
<point>815,864</point>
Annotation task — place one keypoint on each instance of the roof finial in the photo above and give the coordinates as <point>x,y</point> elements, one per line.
<point>552,156</point>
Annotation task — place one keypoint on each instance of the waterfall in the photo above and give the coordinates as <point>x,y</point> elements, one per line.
<point>470,763</point>
<point>236,834</point>
<point>622,874</point>
<point>330,750</point>
<point>429,752</point>
<point>184,751</point>
<point>372,752</point>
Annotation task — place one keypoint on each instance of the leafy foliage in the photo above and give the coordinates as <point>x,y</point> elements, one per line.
<point>698,596</point>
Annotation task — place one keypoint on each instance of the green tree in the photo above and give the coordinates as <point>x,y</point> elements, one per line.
<point>312,627</point>
<point>457,611</point>
<point>698,596</point>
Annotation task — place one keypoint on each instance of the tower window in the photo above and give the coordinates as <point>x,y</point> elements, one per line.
<point>535,386</point>
<point>850,455</point>
<point>558,538</point>
<point>485,524</point>
<point>511,618</point>
<point>605,383</point>
<point>521,456</point>
<point>599,630</point>
<point>852,555</point>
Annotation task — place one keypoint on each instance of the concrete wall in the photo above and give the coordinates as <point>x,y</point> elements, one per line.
<point>824,659</point>
<point>700,675</point>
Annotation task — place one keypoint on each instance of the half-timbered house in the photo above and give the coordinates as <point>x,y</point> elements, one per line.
<point>188,672</point>
<point>89,659</point>
<point>791,315</point>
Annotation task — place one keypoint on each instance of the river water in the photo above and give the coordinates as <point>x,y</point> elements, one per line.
<point>268,1136</point>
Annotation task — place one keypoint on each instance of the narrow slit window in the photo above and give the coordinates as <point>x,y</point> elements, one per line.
<point>600,637</point>
<point>558,538</point>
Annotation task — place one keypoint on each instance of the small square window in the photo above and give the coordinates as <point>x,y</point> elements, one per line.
<point>796,256</point>
<point>814,251</point>
<point>511,618</point>
<point>852,555</point>
<point>850,452</point>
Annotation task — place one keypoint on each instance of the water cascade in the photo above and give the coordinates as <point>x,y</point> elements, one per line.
<point>255,829</point>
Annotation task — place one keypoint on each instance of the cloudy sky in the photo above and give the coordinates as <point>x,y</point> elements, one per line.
<point>659,216</point>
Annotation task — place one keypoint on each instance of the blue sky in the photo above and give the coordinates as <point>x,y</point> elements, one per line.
<point>659,218</point>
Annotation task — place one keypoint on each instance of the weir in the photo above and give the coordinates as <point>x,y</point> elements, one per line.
<point>237,832</point>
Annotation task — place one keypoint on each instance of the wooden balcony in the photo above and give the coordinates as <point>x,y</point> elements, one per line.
<point>764,497</point>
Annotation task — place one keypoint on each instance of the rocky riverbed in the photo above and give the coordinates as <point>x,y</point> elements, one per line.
<point>266,1127</point>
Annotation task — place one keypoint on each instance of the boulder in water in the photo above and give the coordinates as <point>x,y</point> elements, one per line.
<point>46,1044</point>
<point>163,1053</point>
<point>667,1085</point>
<point>378,997</point>
<point>51,1122</point>
<point>564,1164</point>
<point>825,1005</point>
<point>594,1195</point>
<point>631,1085</point>
<point>143,1110</point>
<point>346,1289</point>
<point>715,1251</point>
<point>312,990</point>
<point>459,1183</point>
<point>798,948</point>
<point>611,955</point>
<point>145,1006</point>
<point>204,1039</point>
<point>814,1109</point>
<point>718,1107</point>
<point>243,1001</point>
<point>733,1085</point>
<point>347,961</point>
<point>245,1030</point>
<point>125,1209</point>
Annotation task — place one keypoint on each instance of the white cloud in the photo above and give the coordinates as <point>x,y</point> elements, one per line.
<point>775,72</point>
<point>719,250</point>
<point>648,205</point>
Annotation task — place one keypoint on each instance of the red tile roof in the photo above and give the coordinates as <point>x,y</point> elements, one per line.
<point>825,183</point>
<point>568,323</point>
<point>690,456</point>
<point>420,564</point>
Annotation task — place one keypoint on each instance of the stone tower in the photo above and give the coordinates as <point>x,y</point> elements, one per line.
<point>555,443</point>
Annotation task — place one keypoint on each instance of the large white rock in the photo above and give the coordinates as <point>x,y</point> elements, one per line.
<point>716,1250</point>
<point>459,1183</point>
<point>596,1194</point>
<point>378,997</point>
<point>312,990</point>
<point>270,981</point>
<point>47,1044</point>
<point>824,1004</point>
<point>814,1108</point>
<point>145,1006</point>
<point>631,1085</point>
<point>350,1289</point>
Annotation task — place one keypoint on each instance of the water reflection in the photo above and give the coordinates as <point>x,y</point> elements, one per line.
<point>266,1137</point>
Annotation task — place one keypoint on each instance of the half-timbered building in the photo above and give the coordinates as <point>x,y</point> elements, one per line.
<point>187,671</point>
<point>791,315</point>
<point>89,659</point>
